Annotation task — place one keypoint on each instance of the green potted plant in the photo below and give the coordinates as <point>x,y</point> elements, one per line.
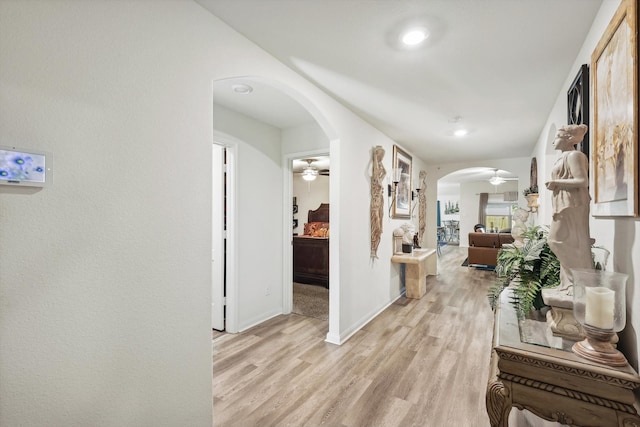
<point>528,269</point>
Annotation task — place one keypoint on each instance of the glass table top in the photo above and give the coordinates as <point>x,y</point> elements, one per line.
<point>537,332</point>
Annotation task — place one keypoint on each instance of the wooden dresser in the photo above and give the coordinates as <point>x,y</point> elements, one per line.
<point>533,370</point>
<point>311,260</point>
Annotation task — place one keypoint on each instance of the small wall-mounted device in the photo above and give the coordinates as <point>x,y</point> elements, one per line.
<point>25,167</point>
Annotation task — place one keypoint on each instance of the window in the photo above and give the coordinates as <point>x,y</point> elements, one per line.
<point>498,216</point>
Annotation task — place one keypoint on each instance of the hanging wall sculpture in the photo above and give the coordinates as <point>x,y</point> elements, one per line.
<point>378,173</point>
<point>422,205</point>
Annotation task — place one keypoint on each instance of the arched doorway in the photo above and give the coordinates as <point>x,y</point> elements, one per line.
<point>269,129</point>
<point>459,196</point>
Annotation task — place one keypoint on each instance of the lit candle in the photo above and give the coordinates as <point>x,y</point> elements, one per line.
<point>599,307</point>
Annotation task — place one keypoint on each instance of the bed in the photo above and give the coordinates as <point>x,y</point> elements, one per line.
<point>311,250</point>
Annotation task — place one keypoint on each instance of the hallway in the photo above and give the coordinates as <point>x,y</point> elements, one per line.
<point>424,363</point>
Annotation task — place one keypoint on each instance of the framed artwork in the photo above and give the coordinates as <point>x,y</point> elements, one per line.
<point>614,84</point>
<point>402,205</point>
<point>578,105</point>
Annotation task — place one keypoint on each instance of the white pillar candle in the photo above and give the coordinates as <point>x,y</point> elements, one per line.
<point>599,307</point>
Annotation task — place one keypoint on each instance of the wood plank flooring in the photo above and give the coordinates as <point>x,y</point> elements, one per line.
<point>425,363</point>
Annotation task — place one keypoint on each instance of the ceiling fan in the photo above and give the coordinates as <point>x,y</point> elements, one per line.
<point>497,180</point>
<point>310,173</point>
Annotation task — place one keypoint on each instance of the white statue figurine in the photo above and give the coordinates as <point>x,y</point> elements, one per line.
<point>569,232</point>
<point>408,231</point>
<point>520,217</point>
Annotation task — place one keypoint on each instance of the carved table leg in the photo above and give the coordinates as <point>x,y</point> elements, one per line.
<point>498,404</point>
<point>498,399</point>
<point>628,420</point>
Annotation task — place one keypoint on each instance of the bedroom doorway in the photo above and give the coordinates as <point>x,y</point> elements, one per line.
<point>310,201</point>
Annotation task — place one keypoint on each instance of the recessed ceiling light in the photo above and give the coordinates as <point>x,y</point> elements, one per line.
<point>460,132</point>
<point>242,89</point>
<point>414,37</point>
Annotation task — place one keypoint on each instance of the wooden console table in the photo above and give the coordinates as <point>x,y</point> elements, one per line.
<point>418,264</point>
<point>531,369</point>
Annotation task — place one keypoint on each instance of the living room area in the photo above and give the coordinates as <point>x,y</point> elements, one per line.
<point>476,207</point>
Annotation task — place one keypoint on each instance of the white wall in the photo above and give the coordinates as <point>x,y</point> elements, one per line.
<point>621,235</point>
<point>105,276</point>
<point>367,285</point>
<point>304,138</point>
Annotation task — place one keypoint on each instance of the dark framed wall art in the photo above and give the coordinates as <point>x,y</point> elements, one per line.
<point>578,105</point>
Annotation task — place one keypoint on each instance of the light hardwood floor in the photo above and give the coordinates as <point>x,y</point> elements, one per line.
<point>425,363</point>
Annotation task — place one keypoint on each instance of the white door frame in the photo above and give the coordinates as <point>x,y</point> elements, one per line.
<point>217,243</point>
<point>231,145</point>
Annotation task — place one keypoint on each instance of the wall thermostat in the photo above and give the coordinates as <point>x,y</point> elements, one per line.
<point>25,167</point>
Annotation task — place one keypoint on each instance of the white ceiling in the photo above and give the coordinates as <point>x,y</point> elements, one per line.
<point>265,103</point>
<point>497,64</point>
<point>450,184</point>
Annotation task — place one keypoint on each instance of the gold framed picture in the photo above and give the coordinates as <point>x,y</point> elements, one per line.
<point>402,205</point>
<point>614,87</point>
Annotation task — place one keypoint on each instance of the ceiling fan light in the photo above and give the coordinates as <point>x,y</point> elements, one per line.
<point>496,180</point>
<point>309,174</point>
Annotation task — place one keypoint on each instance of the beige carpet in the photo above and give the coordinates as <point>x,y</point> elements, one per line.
<point>311,301</point>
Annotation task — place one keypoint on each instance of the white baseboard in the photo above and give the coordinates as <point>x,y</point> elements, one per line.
<point>259,319</point>
<point>340,339</point>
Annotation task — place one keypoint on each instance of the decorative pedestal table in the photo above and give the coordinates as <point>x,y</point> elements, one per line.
<point>418,264</point>
<point>534,370</point>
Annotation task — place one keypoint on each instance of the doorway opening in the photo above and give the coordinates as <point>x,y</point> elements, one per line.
<point>473,196</point>
<point>311,231</point>
<point>271,122</point>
